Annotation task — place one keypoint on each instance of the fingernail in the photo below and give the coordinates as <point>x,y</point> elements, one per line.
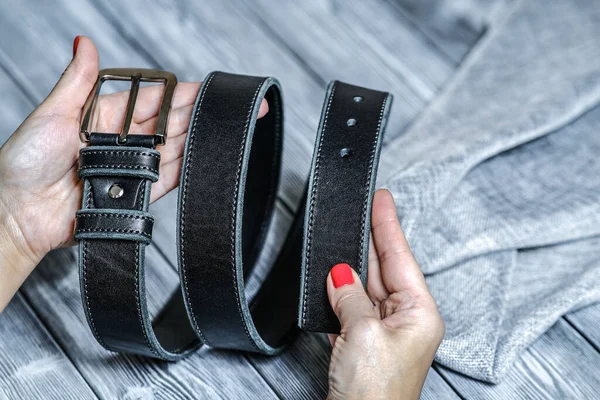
<point>341,274</point>
<point>75,44</point>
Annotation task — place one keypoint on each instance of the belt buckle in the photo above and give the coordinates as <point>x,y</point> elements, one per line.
<point>135,75</point>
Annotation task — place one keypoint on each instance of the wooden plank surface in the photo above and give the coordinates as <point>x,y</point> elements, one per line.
<point>362,42</point>
<point>248,38</point>
<point>53,290</point>
<point>560,365</point>
<point>32,365</point>
<point>453,27</point>
<point>587,322</point>
<point>16,104</point>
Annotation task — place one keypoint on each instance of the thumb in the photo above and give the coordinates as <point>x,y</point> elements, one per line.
<point>70,93</point>
<point>347,296</point>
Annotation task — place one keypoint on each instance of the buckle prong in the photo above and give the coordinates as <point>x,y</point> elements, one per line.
<point>133,92</point>
<point>135,75</point>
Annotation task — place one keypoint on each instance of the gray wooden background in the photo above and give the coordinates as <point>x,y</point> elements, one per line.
<point>409,47</point>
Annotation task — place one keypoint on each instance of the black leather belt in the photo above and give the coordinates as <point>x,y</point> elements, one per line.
<point>228,185</point>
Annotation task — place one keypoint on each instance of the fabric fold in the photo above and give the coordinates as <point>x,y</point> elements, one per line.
<point>499,180</point>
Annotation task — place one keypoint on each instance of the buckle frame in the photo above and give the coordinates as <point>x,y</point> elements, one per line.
<point>135,75</point>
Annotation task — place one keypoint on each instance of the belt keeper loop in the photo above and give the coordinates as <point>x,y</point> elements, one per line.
<point>119,161</point>
<point>102,224</point>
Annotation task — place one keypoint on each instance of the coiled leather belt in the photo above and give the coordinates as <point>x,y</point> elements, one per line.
<point>228,185</point>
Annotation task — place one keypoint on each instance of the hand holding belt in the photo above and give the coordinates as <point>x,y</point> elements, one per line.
<point>228,186</point>
<point>114,227</point>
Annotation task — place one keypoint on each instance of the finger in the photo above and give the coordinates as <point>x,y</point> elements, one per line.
<point>171,154</point>
<point>70,93</point>
<point>179,120</point>
<point>173,150</point>
<point>264,108</point>
<point>332,338</point>
<point>399,269</point>
<point>148,102</point>
<point>375,288</point>
<point>112,107</point>
<point>347,296</point>
<point>167,181</point>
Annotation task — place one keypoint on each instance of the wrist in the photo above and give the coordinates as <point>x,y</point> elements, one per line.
<point>16,260</point>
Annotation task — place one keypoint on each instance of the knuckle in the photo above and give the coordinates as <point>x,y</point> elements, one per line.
<point>368,329</point>
<point>368,325</point>
<point>82,72</point>
<point>394,253</point>
<point>347,297</point>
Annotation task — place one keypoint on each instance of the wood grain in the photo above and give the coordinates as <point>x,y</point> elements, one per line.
<point>452,27</point>
<point>361,42</point>
<point>559,365</point>
<point>398,49</point>
<point>16,105</point>
<point>53,290</point>
<point>32,365</point>
<point>587,321</point>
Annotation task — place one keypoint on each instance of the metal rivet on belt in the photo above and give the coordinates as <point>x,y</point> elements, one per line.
<point>115,191</point>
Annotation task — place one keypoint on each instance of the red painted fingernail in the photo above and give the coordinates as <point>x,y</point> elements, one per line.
<point>341,274</point>
<point>75,44</point>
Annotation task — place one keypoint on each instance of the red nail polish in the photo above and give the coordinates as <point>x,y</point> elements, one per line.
<point>341,274</point>
<point>75,44</point>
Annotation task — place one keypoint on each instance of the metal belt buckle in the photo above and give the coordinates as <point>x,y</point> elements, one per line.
<point>135,75</point>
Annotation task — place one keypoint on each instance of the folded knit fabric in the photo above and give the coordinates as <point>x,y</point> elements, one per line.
<point>498,184</point>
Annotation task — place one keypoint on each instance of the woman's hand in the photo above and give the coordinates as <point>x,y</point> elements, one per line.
<point>391,332</point>
<point>39,188</point>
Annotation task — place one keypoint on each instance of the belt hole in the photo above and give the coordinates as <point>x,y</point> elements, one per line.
<point>345,152</point>
<point>351,122</point>
<point>358,99</point>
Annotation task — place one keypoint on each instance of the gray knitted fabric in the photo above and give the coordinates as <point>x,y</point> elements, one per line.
<point>498,184</point>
